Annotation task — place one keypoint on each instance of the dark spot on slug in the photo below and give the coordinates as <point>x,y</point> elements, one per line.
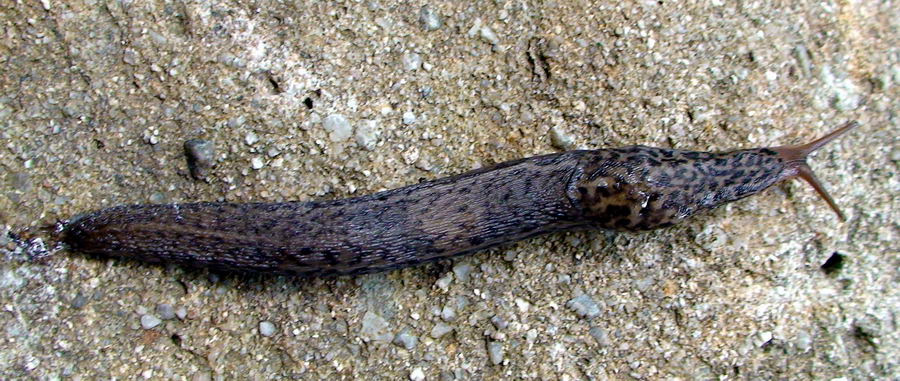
<point>618,210</point>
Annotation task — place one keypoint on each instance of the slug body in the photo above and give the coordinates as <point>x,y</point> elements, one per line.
<point>628,189</point>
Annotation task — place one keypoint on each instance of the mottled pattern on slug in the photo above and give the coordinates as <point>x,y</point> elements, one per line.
<point>641,188</point>
<point>631,188</point>
<point>385,230</point>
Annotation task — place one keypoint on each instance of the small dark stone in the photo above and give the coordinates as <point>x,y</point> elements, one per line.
<point>200,157</point>
<point>79,301</point>
<point>834,263</point>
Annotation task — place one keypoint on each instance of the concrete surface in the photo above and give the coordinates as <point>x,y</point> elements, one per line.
<point>97,98</point>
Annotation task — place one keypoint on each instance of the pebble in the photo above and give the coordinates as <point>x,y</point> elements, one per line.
<point>444,282</point>
<point>200,156</point>
<point>412,61</point>
<point>409,118</point>
<point>448,313</point>
<point>165,311</point>
<point>495,352</point>
<point>79,301</point>
<point>462,270</point>
<point>488,35</point>
<point>440,329</point>
<point>367,134</point>
<point>158,198</point>
<point>236,121</point>
<point>417,374</point>
<point>266,328</point>
<point>338,127</point>
<point>375,328</point>
<point>584,306</point>
<point>430,19</point>
<point>406,339</point>
<point>251,138</point>
<point>499,322</point>
<point>560,139</point>
<point>181,313</point>
<point>460,302</point>
<point>600,335</point>
<point>256,163</point>
<point>149,321</point>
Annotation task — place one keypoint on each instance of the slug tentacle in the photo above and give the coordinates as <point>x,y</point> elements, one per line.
<point>631,188</point>
<point>796,156</point>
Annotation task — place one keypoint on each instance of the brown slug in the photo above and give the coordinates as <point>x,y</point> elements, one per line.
<point>631,188</point>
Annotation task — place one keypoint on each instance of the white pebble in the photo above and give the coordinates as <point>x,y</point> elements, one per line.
<point>417,375</point>
<point>338,127</point>
<point>256,163</point>
<point>150,321</point>
<point>412,61</point>
<point>251,138</point>
<point>430,19</point>
<point>409,118</point>
<point>266,328</point>
<point>488,35</point>
<point>367,134</point>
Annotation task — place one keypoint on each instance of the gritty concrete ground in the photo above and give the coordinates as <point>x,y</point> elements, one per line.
<point>97,98</point>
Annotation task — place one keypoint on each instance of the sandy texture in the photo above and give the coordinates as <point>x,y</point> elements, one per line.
<point>320,100</point>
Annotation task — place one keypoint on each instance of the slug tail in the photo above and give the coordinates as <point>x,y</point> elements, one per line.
<point>796,157</point>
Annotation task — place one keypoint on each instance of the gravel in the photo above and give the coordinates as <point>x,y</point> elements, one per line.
<point>561,139</point>
<point>409,118</point>
<point>251,138</point>
<point>448,314</point>
<point>406,339</point>
<point>440,330</point>
<point>149,321</point>
<point>584,306</point>
<point>412,61</point>
<point>495,352</point>
<point>200,156</point>
<point>375,328</point>
<point>499,322</point>
<point>429,18</point>
<point>257,163</point>
<point>462,271</point>
<point>599,334</point>
<point>266,328</point>
<point>417,374</point>
<point>443,282</point>
<point>367,134</point>
<point>165,311</point>
<point>338,127</point>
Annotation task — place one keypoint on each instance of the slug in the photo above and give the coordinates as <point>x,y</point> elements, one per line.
<point>626,189</point>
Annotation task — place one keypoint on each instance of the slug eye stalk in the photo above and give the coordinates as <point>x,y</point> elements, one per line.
<point>796,156</point>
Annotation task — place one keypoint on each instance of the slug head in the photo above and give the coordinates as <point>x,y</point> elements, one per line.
<point>796,166</point>
<point>641,188</point>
